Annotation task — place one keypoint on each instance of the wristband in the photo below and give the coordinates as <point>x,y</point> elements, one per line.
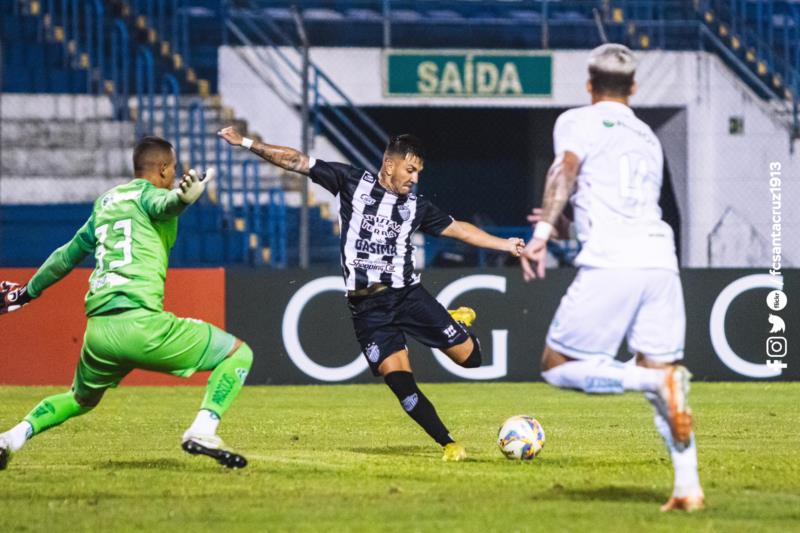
<point>247,142</point>
<point>542,230</point>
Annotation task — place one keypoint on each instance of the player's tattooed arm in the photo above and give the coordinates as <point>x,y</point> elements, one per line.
<point>282,156</point>
<point>561,179</point>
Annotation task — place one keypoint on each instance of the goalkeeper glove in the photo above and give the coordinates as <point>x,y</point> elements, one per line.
<point>13,296</point>
<point>192,185</point>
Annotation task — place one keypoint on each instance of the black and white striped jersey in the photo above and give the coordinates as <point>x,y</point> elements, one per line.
<point>376,226</point>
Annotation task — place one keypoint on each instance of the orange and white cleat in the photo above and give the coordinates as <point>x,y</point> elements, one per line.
<point>675,394</point>
<point>688,504</point>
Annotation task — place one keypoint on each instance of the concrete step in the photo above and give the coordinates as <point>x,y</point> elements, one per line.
<point>30,189</point>
<point>78,107</point>
<point>215,114</point>
<point>61,133</point>
<point>66,162</point>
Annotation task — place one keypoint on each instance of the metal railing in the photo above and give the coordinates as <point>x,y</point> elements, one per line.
<point>120,59</point>
<point>169,20</point>
<point>94,47</point>
<point>145,92</point>
<point>170,106</point>
<point>345,125</point>
<point>197,133</point>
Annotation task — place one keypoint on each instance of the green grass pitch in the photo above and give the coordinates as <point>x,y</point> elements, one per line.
<point>346,458</point>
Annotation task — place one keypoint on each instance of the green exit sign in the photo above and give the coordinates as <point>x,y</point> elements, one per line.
<point>482,73</point>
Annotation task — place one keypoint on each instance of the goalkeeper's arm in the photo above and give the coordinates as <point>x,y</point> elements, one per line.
<point>58,265</point>
<point>160,204</point>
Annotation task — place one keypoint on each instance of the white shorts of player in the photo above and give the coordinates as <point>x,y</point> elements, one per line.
<point>604,305</point>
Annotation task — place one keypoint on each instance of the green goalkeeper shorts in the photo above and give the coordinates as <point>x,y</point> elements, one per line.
<point>115,344</point>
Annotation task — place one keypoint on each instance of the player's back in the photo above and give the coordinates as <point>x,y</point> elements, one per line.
<point>131,249</point>
<point>616,202</point>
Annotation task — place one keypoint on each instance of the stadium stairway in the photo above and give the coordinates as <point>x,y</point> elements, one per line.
<point>74,52</point>
<point>61,148</point>
<point>59,151</point>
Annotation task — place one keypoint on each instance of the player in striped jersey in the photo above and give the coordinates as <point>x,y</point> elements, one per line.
<point>378,216</point>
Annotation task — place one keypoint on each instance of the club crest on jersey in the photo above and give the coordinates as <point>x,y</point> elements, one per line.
<point>404,212</point>
<point>367,199</point>
<point>373,353</point>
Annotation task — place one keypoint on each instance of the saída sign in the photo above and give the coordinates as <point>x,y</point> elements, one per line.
<point>483,74</point>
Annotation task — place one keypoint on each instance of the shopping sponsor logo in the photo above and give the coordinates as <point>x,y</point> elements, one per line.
<point>363,264</point>
<point>367,199</point>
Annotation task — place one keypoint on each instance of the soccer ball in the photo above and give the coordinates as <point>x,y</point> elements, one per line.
<point>521,437</point>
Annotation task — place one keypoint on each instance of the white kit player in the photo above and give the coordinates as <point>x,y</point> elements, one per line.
<point>609,164</point>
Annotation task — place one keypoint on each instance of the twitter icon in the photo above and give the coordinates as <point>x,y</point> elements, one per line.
<point>778,325</point>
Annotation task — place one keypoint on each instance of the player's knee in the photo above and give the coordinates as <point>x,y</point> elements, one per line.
<point>88,401</point>
<point>475,358</point>
<point>243,354</point>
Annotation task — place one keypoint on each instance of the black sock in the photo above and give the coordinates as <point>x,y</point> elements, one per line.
<point>417,405</point>
<point>475,359</point>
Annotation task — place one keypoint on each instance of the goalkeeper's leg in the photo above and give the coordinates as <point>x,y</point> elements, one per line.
<point>224,385</point>
<point>93,377</point>
<point>50,412</point>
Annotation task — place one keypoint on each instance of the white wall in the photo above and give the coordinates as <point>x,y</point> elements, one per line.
<point>714,170</point>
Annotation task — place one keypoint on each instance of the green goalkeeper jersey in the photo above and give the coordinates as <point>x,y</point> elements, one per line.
<point>130,231</point>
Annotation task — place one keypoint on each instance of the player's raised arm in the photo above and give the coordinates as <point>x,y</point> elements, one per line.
<point>281,156</point>
<point>474,236</point>
<point>561,179</point>
<point>163,204</point>
<point>59,264</point>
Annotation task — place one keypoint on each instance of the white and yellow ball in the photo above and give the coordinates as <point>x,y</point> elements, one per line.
<point>521,437</point>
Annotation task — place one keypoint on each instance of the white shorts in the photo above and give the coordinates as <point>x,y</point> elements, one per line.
<point>604,305</point>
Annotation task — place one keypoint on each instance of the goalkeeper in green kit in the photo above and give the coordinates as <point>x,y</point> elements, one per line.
<point>130,232</point>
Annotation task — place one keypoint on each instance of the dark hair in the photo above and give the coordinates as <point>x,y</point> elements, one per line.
<point>610,83</point>
<point>148,147</point>
<point>404,145</point>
